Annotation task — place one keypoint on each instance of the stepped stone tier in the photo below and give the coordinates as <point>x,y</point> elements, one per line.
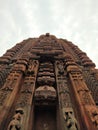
<point>48,83</point>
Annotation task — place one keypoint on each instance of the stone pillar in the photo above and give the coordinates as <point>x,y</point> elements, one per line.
<point>67,117</point>
<point>84,100</point>
<point>10,89</point>
<point>25,100</point>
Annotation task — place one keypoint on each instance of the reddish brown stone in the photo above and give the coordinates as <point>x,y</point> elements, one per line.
<point>48,84</point>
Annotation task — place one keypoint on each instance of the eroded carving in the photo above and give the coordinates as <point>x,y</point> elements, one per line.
<point>86,97</point>
<point>64,94</point>
<point>93,112</point>
<point>27,88</point>
<point>95,117</point>
<point>60,67</point>
<point>11,81</point>
<point>70,120</point>
<point>31,67</point>
<point>3,96</point>
<point>45,92</point>
<point>16,122</point>
<point>24,99</point>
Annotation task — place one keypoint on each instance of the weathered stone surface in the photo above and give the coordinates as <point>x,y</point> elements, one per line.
<point>48,83</point>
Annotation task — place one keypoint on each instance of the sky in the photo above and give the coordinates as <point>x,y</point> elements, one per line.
<point>74,20</point>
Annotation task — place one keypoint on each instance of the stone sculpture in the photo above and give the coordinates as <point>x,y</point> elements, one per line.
<point>70,120</point>
<point>15,123</point>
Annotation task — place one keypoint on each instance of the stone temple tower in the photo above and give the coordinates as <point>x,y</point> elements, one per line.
<point>48,83</point>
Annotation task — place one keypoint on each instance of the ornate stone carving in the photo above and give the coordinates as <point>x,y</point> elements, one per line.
<point>24,99</point>
<point>26,92</point>
<point>32,65</point>
<point>46,75</point>
<point>64,99</point>
<point>45,92</point>
<point>60,67</point>
<point>19,68</point>
<point>93,113</point>
<point>46,80</point>
<point>64,94</point>
<point>60,79</point>
<point>85,97</point>
<point>28,86</point>
<point>16,122</point>
<point>3,96</point>
<point>83,93</point>
<point>92,84</point>
<point>69,118</point>
<point>95,117</point>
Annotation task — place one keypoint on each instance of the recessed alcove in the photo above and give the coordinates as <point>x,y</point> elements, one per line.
<point>45,118</point>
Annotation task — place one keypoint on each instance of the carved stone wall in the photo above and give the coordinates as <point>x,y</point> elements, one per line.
<point>83,95</point>
<point>67,112</point>
<point>48,83</point>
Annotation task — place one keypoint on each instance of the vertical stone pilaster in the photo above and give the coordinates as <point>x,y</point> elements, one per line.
<point>9,91</point>
<point>85,102</point>
<point>25,100</point>
<point>67,116</point>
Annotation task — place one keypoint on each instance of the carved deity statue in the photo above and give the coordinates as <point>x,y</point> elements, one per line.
<point>60,67</point>
<point>15,123</point>
<point>70,120</point>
